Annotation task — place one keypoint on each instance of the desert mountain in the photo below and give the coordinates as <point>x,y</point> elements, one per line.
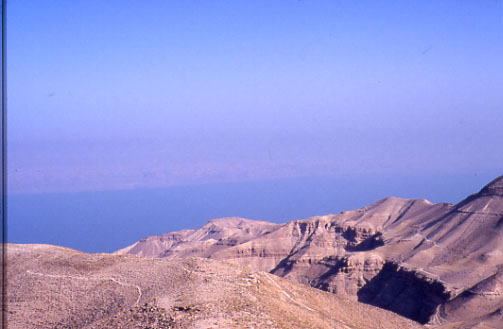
<point>428,262</point>
<point>54,287</point>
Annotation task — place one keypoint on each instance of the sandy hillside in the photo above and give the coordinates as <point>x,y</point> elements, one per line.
<point>54,287</point>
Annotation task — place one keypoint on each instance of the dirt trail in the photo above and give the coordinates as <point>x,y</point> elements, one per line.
<point>57,276</point>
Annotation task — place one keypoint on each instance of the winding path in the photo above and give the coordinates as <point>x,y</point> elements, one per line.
<point>92,278</point>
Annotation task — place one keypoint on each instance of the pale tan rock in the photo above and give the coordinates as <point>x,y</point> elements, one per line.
<point>411,256</point>
<point>54,287</point>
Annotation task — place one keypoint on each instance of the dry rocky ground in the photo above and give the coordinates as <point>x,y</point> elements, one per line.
<point>55,287</point>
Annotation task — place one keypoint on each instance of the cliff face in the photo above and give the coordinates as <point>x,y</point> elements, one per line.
<point>347,274</point>
<point>404,291</point>
<point>413,257</point>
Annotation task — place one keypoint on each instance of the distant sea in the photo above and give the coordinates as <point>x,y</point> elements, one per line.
<point>104,221</point>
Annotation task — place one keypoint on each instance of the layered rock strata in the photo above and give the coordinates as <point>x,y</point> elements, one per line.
<point>416,258</point>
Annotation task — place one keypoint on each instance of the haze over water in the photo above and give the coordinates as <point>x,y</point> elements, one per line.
<point>132,118</point>
<point>104,221</point>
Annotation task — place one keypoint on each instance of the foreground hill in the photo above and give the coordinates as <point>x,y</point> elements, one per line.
<point>54,287</point>
<point>434,263</point>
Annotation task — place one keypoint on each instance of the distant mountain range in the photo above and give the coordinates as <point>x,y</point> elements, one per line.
<point>438,264</point>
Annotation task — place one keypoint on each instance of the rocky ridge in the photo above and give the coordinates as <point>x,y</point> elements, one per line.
<point>418,259</point>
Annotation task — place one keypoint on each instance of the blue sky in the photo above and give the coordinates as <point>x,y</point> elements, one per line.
<point>107,95</point>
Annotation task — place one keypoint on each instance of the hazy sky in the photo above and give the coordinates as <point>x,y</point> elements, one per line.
<point>122,94</point>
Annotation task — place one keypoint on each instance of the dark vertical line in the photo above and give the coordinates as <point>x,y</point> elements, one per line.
<point>4,172</point>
